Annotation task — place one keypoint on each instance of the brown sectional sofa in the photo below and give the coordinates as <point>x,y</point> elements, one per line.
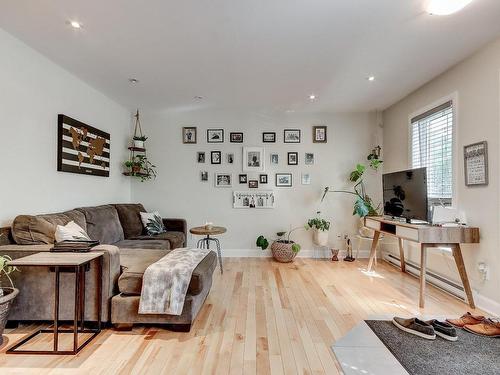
<point>128,251</point>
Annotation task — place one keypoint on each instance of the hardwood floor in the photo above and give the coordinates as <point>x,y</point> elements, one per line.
<point>261,317</point>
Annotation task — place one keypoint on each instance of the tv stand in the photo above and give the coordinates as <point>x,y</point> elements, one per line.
<point>428,236</point>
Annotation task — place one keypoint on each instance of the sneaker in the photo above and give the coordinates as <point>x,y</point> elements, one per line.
<point>488,328</point>
<point>444,330</point>
<point>415,326</point>
<point>467,318</point>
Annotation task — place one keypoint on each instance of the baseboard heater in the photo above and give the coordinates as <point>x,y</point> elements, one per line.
<point>440,282</point>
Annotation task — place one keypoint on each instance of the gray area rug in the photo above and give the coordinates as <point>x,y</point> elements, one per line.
<point>470,354</point>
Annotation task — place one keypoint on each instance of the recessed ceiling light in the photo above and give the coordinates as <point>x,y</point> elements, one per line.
<point>312,97</point>
<point>75,24</point>
<point>446,7</point>
<point>198,97</point>
<point>290,110</point>
<point>370,78</point>
<point>133,80</point>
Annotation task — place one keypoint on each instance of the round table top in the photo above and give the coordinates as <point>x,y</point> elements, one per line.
<point>208,232</point>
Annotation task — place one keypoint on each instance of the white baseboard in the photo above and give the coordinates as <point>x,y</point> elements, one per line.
<point>305,253</point>
<point>486,304</point>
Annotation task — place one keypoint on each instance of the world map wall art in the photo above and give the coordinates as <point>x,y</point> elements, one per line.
<point>82,148</point>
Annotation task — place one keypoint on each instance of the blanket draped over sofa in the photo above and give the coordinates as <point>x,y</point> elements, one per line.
<point>166,282</point>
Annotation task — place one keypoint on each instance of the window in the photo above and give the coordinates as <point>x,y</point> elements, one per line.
<point>432,147</point>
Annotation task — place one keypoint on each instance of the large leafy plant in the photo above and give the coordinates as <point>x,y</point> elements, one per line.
<point>318,223</point>
<point>283,237</point>
<point>363,204</point>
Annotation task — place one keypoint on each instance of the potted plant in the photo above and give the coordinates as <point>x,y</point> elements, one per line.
<point>283,249</point>
<point>141,168</point>
<point>7,294</point>
<point>320,228</point>
<point>139,141</point>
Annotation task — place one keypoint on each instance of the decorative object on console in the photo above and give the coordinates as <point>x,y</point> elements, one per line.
<point>306,179</point>
<point>215,157</point>
<point>320,228</point>
<point>230,158</point>
<point>200,156</point>
<point>476,164</point>
<point>223,180</point>
<point>189,134</point>
<point>138,164</point>
<point>82,148</point>
<point>243,178</point>
<point>335,254</point>
<point>263,178</point>
<point>7,294</point>
<point>319,134</point>
<point>253,159</point>
<point>215,135</point>
<point>283,179</point>
<point>236,137</point>
<point>268,137</point>
<point>274,159</point>
<point>291,136</point>
<point>253,199</point>
<point>309,158</point>
<point>153,223</point>
<point>363,206</point>
<point>204,176</point>
<point>293,158</point>
<point>253,184</point>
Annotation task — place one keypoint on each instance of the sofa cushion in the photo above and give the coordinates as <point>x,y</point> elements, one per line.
<point>130,219</point>
<point>103,224</point>
<point>143,244</point>
<point>134,265</point>
<point>40,229</point>
<point>176,239</point>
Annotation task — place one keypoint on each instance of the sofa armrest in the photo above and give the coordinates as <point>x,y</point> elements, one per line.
<point>178,225</point>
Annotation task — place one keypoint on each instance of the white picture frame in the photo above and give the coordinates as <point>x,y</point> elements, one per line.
<point>306,179</point>
<point>260,199</point>
<point>253,159</point>
<point>223,180</point>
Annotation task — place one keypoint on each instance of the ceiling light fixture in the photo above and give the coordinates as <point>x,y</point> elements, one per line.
<point>75,24</point>
<point>446,7</point>
<point>133,80</point>
<point>198,97</point>
<point>312,97</point>
<point>371,78</point>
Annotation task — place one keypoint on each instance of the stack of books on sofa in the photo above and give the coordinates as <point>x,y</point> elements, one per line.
<point>77,246</point>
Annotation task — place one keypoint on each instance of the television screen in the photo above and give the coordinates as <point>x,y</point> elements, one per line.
<point>405,194</point>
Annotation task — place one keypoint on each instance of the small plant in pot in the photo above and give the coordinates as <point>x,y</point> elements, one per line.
<point>283,249</point>
<point>7,294</point>
<point>139,141</point>
<point>141,168</point>
<point>320,228</point>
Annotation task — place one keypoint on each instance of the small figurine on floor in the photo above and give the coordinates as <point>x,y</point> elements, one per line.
<point>335,253</point>
<point>349,257</point>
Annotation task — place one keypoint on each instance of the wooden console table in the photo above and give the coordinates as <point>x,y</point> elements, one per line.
<point>427,236</point>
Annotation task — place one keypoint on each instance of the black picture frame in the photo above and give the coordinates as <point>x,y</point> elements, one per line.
<point>291,136</point>
<point>278,183</point>
<point>215,154</point>
<point>243,178</point>
<point>290,158</point>
<point>263,179</point>
<point>236,137</point>
<point>253,184</point>
<point>316,138</point>
<point>269,134</point>
<point>211,139</point>
<point>200,157</point>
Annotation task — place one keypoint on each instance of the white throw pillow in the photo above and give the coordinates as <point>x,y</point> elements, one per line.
<point>70,232</point>
<point>153,223</point>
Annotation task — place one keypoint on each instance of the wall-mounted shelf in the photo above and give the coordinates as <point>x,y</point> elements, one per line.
<point>137,149</point>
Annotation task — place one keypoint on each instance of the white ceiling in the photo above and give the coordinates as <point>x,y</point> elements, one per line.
<point>265,55</point>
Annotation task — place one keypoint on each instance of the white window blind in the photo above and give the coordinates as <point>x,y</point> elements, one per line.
<point>432,147</point>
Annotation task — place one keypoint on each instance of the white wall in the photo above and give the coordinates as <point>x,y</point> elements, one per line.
<point>476,84</point>
<point>178,192</point>
<point>33,91</point>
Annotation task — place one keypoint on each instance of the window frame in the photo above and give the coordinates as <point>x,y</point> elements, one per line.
<point>454,149</point>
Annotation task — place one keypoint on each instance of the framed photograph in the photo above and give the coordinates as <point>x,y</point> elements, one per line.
<point>253,159</point>
<point>291,136</point>
<point>204,176</point>
<point>230,158</point>
<point>476,164</point>
<point>243,178</point>
<point>306,179</point>
<point>236,137</point>
<point>319,134</point>
<point>269,137</point>
<point>283,179</point>
<point>274,159</point>
<point>309,158</point>
<point>215,157</point>
<point>293,158</point>
<point>223,180</point>
<point>253,199</point>
<point>263,178</point>
<point>253,184</point>
<point>200,156</point>
<point>215,135</point>
<point>189,134</point>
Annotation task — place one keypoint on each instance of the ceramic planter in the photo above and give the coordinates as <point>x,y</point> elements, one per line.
<point>138,144</point>
<point>320,237</point>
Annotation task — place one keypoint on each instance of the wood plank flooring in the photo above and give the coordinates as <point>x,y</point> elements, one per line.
<point>261,317</point>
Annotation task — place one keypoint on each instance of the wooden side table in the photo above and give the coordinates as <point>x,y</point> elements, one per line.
<point>205,242</point>
<point>76,262</point>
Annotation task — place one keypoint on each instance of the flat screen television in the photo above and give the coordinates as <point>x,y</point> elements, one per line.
<point>405,195</point>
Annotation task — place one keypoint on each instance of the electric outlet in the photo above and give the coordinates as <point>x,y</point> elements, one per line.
<point>484,270</point>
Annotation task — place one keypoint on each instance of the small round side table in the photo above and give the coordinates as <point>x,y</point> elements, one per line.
<point>204,243</point>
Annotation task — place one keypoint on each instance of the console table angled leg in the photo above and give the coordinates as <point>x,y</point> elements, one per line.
<point>423,272</point>
<point>373,252</point>
<point>459,260</point>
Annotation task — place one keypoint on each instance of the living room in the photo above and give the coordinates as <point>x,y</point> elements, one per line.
<point>239,187</point>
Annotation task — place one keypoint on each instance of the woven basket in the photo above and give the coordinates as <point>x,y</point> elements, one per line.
<point>283,252</point>
<point>5,303</point>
